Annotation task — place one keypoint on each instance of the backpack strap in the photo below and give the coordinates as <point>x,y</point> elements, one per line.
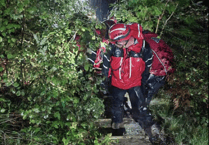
<point>157,40</point>
<point>160,61</point>
<point>143,47</point>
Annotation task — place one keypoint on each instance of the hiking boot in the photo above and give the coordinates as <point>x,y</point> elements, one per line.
<point>154,134</point>
<point>116,125</point>
<point>155,129</point>
<point>157,132</point>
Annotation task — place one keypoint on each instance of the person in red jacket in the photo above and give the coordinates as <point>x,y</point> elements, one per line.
<point>129,56</point>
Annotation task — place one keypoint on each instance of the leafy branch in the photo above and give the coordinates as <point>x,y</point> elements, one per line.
<point>161,16</point>
<point>168,20</point>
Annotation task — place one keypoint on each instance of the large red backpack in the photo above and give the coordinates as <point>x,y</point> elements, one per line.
<point>163,56</point>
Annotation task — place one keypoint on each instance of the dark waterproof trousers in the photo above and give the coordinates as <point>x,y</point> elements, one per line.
<point>152,86</point>
<point>139,111</point>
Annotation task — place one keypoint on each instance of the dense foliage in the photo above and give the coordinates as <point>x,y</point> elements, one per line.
<point>184,26</point>
<point>48,92</point>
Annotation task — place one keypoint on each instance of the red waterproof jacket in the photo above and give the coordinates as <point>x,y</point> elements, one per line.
<point>127,67</point>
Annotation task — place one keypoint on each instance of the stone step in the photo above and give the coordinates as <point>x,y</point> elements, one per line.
<point>130,140</point>
<point>131,127</point>
<point>130,133</point>
<point>106,123</point>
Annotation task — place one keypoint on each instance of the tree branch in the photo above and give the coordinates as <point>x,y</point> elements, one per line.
<point>168,20</point>
<point>161,16</point>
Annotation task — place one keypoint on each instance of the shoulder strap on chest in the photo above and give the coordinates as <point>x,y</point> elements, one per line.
<point>143,47</point>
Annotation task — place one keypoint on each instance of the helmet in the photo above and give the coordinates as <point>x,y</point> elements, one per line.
<point>119,32</point>
<point>113,19</point>
<point>109,23</point>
